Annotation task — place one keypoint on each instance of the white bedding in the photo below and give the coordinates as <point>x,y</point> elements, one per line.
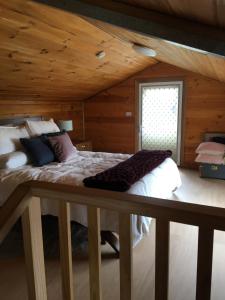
<point>159,183</point>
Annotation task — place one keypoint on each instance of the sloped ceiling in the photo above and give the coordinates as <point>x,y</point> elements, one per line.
<point>209,12</point>
<point>208,65</point>
<point>49,54</point>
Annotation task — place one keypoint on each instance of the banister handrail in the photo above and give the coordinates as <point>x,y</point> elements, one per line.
<point>13,208</point>
<point>181,212</point>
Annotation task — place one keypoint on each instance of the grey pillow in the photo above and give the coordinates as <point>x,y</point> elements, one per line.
<point>62,146</point>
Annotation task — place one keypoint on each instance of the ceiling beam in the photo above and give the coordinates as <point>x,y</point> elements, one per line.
<point>149,23</point>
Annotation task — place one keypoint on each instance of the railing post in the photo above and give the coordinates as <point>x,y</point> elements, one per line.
<point>204,265</point>
<point>162,259</point>
<point>126,258</point>
<point>94,247</point>
<point>34,253</point>
<point>66,250</point>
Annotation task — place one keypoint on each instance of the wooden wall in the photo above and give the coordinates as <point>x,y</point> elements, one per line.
<point>110,130</point>
<point>48,109</point>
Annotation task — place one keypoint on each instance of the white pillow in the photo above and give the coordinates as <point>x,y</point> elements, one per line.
<point>39,127</point>
<point>13,160</point>
<point>10,138</point>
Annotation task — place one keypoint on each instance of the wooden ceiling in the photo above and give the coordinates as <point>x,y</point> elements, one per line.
<point>211,12</point>
<point>49,54</point>
<point>205,64</point>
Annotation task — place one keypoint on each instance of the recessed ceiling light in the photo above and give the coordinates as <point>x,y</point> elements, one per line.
<point>100,54</point>
<point>144,50</point>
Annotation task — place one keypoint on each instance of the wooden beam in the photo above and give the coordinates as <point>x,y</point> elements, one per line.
<point>94,246</point>
<point>162,259</point>
<point>126,257</point>
<point>66,250</point>
<point>176,211</point>
<point>147,22</point>
<point>34,252</point>
<point>205,257</point>
<point>12,209</point>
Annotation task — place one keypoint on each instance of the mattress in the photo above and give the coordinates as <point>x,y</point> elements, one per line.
<point>159,183</point>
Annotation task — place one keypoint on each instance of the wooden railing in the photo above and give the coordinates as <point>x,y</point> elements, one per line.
<point>25,202</point>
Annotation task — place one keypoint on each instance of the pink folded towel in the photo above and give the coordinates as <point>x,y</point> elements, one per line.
<point>210,159</point>
<point>211,148</point>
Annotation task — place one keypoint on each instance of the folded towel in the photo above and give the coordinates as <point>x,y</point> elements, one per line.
<point>122,176</point>
<point>210,159</point>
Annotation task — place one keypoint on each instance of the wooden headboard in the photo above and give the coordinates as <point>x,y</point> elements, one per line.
<point>19,120</point>
<point>208,136</point>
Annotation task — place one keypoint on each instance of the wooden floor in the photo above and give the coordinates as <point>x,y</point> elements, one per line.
<point>183,250</point>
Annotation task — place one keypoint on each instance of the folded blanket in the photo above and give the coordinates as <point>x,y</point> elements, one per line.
<point>210,159</point>
<point>122,176</point>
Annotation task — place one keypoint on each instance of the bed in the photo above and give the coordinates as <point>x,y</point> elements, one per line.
<point>159,183</point>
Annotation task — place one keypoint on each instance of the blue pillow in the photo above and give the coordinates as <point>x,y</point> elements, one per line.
<point>39,153</point>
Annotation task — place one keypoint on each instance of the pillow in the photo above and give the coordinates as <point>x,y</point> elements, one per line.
<point>54,133</point>
<point>39,153</point>
<point>13,160</point>
<point>219,139</point>
<point>10,138</point>
<point>39,127</point>
<point>62,146</point>
<point>45,136</point>
<point>211,148</point>
<point>210,159</point>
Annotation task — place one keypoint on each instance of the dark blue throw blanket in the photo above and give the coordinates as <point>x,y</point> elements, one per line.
<point>120,177</point>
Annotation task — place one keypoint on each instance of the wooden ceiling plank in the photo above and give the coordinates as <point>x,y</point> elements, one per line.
<point>78,47</point>
<point>149,23</point>
<point>33,55</point>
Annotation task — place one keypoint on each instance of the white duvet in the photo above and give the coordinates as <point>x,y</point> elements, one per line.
<point>159,183</point>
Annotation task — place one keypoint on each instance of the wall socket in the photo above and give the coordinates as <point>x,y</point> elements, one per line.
<point>128,114</point>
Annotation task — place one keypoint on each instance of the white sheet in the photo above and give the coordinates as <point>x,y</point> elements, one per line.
<point>159,183</point>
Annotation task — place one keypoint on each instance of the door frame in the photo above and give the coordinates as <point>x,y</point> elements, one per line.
<point>180,130</point>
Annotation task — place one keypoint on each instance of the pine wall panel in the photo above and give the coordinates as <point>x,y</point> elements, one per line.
<point>47,109</point>
<point>204,111</point>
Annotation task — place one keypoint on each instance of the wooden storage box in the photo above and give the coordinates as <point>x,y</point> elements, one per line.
<point>212,171</point>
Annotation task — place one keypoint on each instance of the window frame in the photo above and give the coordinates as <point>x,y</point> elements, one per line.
<point>138,114</point>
